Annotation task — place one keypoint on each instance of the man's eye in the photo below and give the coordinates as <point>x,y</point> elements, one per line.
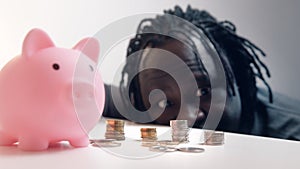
<point>203,91</point>
<point>164,103</point>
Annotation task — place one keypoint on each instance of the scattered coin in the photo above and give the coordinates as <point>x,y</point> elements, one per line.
<point>162,149</point>
<point>158,148</point>
<point>191,149</point>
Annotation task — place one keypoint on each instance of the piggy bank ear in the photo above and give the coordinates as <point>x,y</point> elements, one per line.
<point>90,47</point>
<point>35,40</point>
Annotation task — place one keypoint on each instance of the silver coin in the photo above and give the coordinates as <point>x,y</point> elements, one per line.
<point>111,134</point>
<point>149,144</point>
<point>167,142</point>
<point>163,141</point>
<point>180,132</point>
<point>114,137</point>
<point>180,139</point>
<point>213,143</point>
<point>214,137</point>
<point>114,132</point>
<point>106,144</point>
<point>150,139</point>
<point>179,123</point>
<point>162,149</point>
<point>171,149</point>
<point>213,133</point>
<point>180,136</point>
<point>179,128</point>
<point>117,138</point>
<point>101,140</point>
<point>191,149</point>
<point>158,148</point>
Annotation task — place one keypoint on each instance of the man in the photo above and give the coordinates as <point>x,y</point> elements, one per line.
<point>248,109</point>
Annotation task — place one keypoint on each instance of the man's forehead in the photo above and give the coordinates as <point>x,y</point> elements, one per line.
<point>165,58</point>
<point>157,76</point>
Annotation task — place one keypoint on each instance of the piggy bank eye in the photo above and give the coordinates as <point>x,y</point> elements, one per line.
<point>91,68</point>
<point>55,66</point>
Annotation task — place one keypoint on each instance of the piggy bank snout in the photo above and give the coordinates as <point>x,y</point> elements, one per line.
<point>83,90</point>
<point>86,104</point>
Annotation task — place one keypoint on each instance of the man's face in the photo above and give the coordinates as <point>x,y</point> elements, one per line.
<point>156,79</point>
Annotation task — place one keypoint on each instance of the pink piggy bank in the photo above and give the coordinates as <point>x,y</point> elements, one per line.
<point>50,94</point>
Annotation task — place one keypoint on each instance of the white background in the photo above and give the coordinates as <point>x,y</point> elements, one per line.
<point>271,24</point>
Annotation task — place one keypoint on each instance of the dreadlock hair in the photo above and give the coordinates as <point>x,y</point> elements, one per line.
<point>239,56</point>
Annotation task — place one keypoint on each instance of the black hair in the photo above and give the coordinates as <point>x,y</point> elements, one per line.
<point>239,56</point>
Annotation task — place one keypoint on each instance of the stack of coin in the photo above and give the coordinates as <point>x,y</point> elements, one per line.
<point>148,134</point>
<point>115,129</point>
<point>213,137</point>
<point>180,130</point>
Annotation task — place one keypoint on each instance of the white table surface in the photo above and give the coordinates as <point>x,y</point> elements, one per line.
<point>239,151</point>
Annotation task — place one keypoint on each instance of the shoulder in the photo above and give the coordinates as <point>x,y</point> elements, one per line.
<point>282,116</point>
